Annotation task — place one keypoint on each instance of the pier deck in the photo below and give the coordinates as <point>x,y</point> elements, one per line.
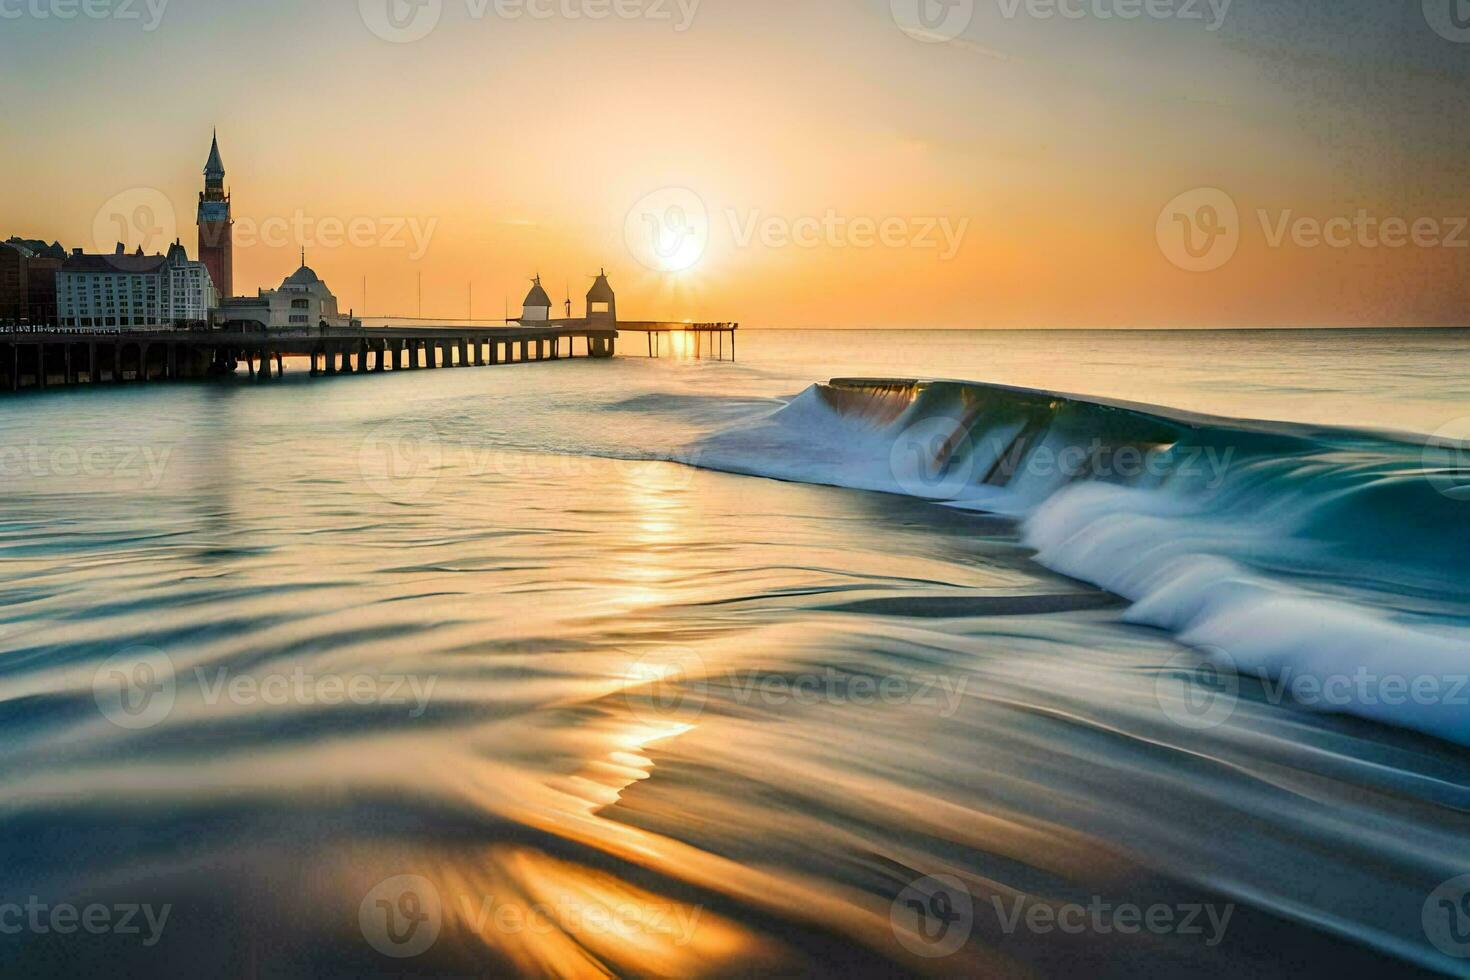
<point>41,357</point>
<point>703,338</point>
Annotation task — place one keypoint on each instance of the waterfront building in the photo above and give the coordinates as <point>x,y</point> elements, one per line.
<point>602,302</point>
<point>28,281</point>
<point>121,291</point>
<point>537,307</point>
<point>303,302</point>
<point>216,226</point>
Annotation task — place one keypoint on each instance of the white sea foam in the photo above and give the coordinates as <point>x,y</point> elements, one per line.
<point>1245,564</point>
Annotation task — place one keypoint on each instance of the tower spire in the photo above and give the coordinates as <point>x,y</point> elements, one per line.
<point>215,167</point>
<point>216,237</point>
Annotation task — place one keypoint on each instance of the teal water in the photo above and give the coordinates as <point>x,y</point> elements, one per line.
<point>538,669</point>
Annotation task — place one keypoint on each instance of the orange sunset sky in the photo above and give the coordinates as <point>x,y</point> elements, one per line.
<point>1023,168</point>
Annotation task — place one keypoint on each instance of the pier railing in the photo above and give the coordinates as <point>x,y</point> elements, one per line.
<point>39,358</point>
<point>697,340</point>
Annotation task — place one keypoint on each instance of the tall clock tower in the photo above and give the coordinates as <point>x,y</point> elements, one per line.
<point>216,231</point>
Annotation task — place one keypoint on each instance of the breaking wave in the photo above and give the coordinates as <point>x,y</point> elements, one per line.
<point>1328,562</point>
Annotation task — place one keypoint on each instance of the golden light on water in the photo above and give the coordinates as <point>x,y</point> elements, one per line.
<point>552,917</point>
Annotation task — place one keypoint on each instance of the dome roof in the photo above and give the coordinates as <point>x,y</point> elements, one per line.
<point>303,276</point>
<point>537,296</point>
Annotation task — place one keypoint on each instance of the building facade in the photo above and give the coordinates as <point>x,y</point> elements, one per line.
<point>602,302</point>
<point>216,226</point>
<point>303,302</point>
<point>537,307</point>
<point>123,292</point>
<point>28,281</point>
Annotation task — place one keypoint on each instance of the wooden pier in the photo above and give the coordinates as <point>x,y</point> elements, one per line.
<point>42,357</point>
<point>704,339</point>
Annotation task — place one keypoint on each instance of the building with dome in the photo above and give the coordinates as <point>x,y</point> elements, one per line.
<point>303,302</point>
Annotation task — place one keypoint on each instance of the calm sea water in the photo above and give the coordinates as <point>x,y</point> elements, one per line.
<point>535,669</point>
